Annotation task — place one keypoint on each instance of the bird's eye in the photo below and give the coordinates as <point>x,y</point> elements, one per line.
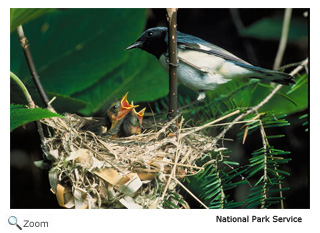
<point>115,107</point>
<point>150,33</point>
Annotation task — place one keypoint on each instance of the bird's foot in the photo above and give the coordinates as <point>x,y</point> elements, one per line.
<point>201,96</point>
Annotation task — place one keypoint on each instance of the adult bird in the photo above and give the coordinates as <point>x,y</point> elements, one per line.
<point>202,65</point>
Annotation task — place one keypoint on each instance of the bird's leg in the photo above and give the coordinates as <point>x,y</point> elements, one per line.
<point>170,63</point>
<point>200,98</point>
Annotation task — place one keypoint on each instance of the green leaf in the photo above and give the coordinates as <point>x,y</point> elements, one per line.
<point>288,98</point>
<point>258,182</point>
<point>20,115</point>
<point>279,171</point>
<point>270,29</point>
<point>304,116</point>
<point>280,105</point>
<point>61,103</point>
<point>276,136</point>
<point>20,16</point>
<point>299,83</point>
<point>231,162</point>
<point>279,190</point>
<point>81,53</point>
<point>141,69</point>
<point>255,170</point>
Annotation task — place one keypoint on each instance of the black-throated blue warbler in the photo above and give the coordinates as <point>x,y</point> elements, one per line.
<point>202,65</point>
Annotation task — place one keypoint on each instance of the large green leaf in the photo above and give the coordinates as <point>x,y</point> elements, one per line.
<point>20,115</point>
<point>270,29</point>
<point>141,75</point>
<point>81,53</point>
<point>61,103</point>
<point>19,16</point>
<point>282,102</point>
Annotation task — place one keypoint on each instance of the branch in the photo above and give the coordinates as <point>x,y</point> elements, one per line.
<point>173,61</point>
<point>284,38</point>
<point>234,12</point>
<point>188,191</point>
<point>266,152</point>
<point>26,49</point>
<point>31,104</point>
<point>23,88</point>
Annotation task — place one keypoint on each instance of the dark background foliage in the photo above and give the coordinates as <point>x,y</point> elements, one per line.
<point>85,66</point>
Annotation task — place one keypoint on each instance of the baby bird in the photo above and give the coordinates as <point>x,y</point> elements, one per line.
<point>115,114</point>
<point>132,123</point>
<point>110,123</point>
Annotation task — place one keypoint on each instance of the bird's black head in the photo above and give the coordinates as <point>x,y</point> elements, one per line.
<point>152,41</point>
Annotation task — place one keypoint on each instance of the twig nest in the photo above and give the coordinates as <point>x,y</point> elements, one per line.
<point>140,171</point>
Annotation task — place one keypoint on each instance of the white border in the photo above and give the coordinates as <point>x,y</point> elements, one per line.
<point>156,220</point>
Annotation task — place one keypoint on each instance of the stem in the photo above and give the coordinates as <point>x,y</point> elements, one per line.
<point>234,12</point>
<point>188,191</point>
<point>265,177</point>
<point>26,49</point>
<point>173,61</point>
<point>31,104</point>
<point>223,196</point>
<point>23,88</point>
<point>284,38</point>
<point>173,171</point>
<point>265,143</point>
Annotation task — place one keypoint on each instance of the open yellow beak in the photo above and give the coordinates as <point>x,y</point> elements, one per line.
<point>140,114</point>
<point>125,108</point>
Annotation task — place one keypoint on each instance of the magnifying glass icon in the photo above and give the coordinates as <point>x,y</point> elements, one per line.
<point>14,221</point>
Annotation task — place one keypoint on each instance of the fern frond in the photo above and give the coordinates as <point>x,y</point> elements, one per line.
<point>265,164</point>
<point>218,178</point>
<point>174,200</point>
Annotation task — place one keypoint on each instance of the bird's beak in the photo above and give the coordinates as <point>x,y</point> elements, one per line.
<point>137,44</point>
<point>125,107</point>
<point>140,114</point>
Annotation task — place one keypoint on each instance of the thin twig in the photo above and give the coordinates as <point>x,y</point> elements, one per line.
<point>265,175</point>
<point>266,152</point>
<point>196,129</point>
<point>26,49</point>
<point>178,164</point>
<point>188,191</point>
<point>173,171</point>
<point>284,38</point>
<point>234,12</point>
<point>31,104</point>
<point>163,129</point>
<point>24,89</point>
<point>173,61</point>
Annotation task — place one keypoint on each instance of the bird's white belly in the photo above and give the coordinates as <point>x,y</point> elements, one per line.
<point>201,71</point>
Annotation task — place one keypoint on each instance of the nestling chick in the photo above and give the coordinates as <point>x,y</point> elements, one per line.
<point>115,114</point>
<point>132,123</point>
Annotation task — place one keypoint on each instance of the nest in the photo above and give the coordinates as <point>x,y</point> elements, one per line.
<point>140,171</point>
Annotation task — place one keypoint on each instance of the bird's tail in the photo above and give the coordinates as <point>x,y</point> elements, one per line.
<point>273,76</point>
